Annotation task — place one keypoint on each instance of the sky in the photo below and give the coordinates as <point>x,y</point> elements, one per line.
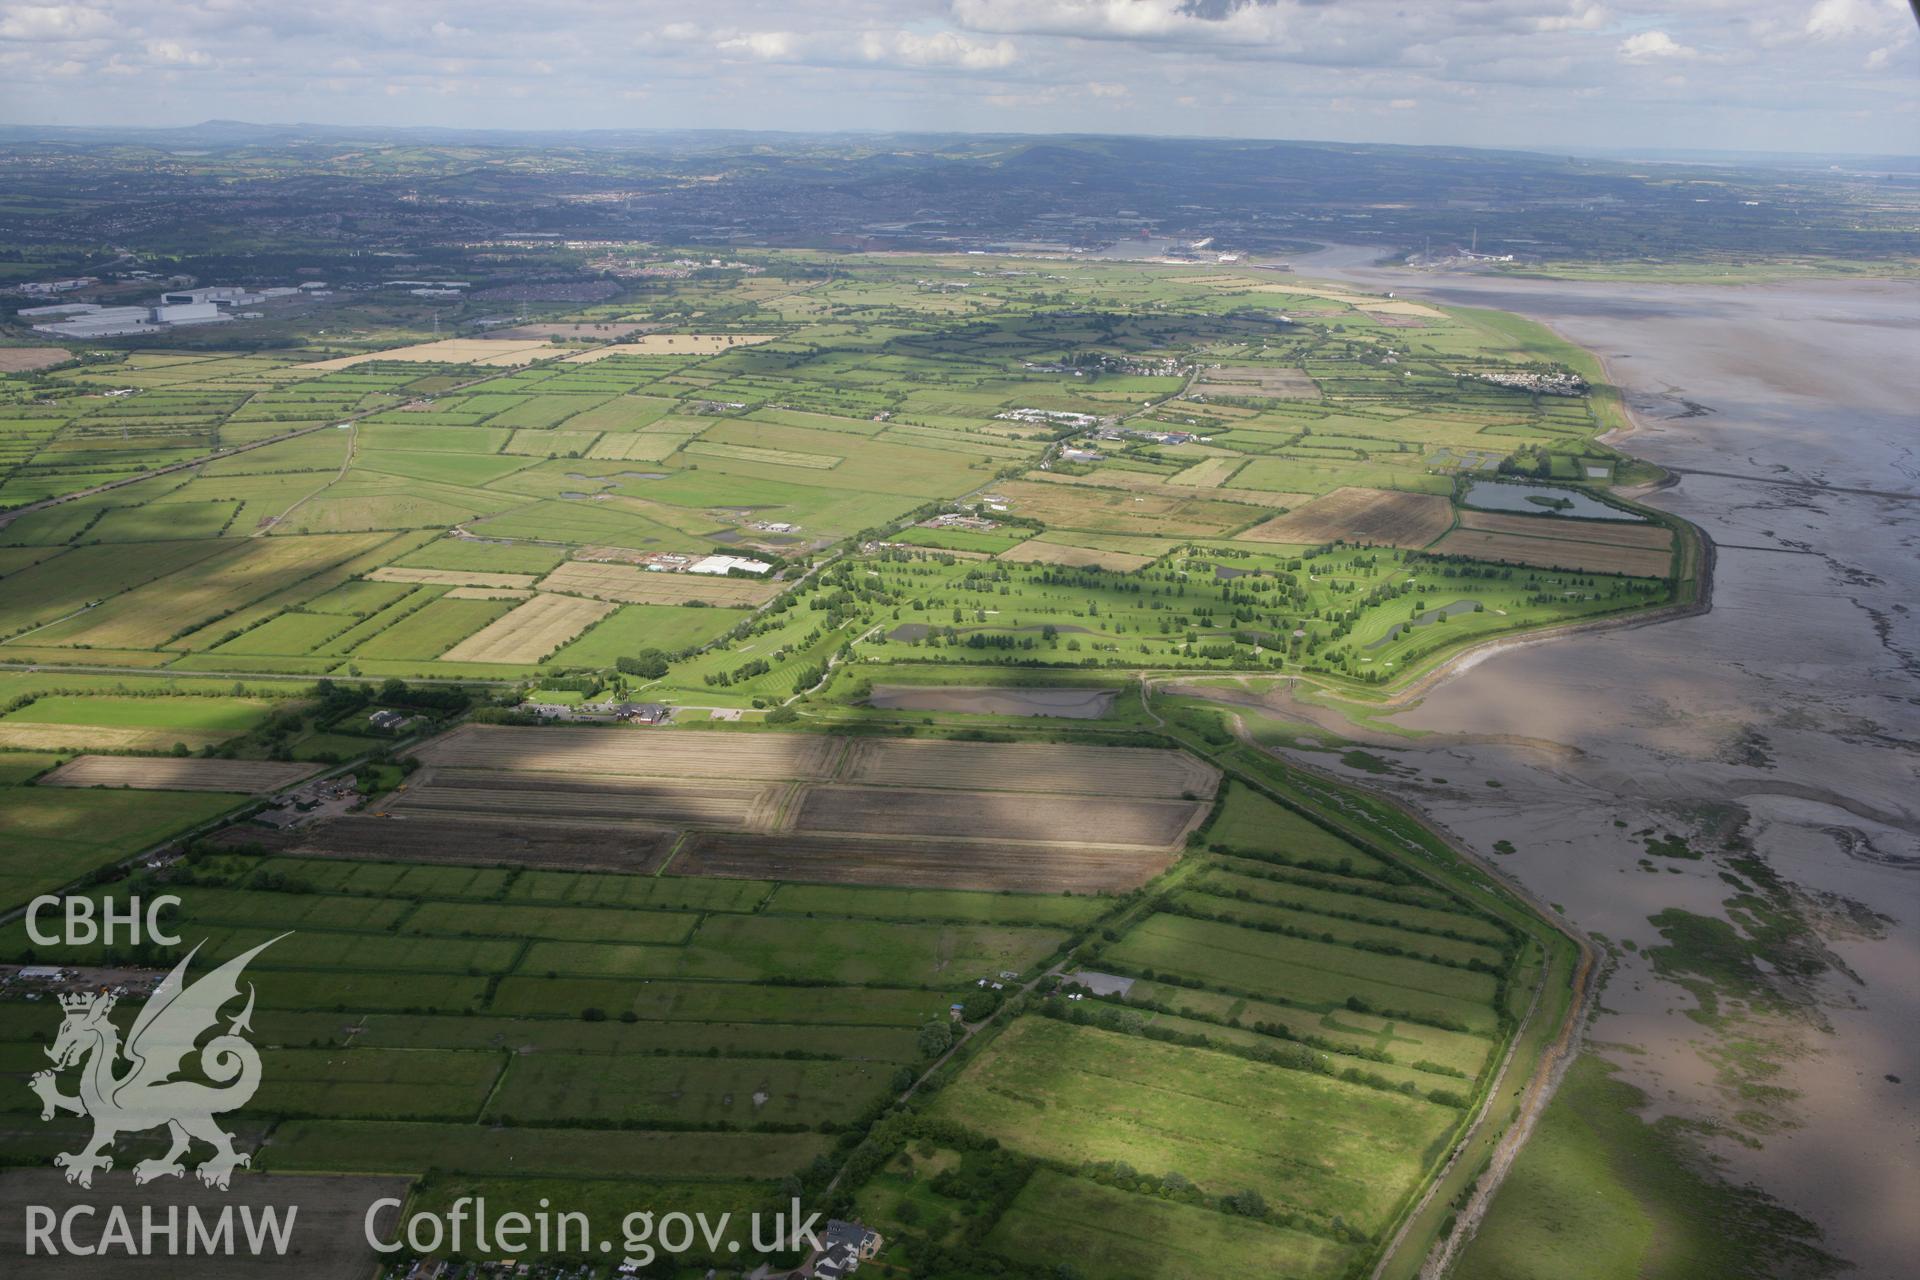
<point>1839,76</point>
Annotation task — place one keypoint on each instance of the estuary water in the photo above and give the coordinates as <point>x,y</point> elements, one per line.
<point>1787,717</point>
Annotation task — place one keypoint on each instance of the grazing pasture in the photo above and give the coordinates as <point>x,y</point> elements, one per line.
<point>1320,1146</point>
<point>1062,1221</point>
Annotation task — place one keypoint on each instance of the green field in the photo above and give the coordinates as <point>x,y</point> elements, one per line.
<point>1103,1231</point>
<point>1317,1145</point>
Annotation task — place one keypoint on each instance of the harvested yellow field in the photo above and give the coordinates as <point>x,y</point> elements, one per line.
<point>245,777</point>
<point>634,753</point>
<point>530,632</point>
<point>1029,766</point>
<point>486,351</point>
<point>488,593</point>
<point>1556,553</point>
<point>1036,551</point>
<point>673,344</point>
<point>628,585</point>
<point>56,737</point>
<point>1613,533</point>
<point>1385,516</point>
<point>637,446</point>
<point>452,578</point>
<point>1208,473</point>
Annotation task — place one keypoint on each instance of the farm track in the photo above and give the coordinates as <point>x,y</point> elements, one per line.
<point>270,523</point>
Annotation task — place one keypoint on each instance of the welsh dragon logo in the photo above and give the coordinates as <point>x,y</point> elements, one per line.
<point>146,1095</point>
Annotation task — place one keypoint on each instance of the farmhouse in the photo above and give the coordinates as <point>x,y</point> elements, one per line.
<point>384,719</point>
<point>862,1240</point>
<point>636,712</point>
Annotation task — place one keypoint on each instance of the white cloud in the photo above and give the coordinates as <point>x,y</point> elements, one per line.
<point>53,22</point>
<point>1582,18</point>
<point>942,49</point>
<point>1845,19</point>
<point>768,46</point>
<point>172,53</point>
<point>1651,46</point>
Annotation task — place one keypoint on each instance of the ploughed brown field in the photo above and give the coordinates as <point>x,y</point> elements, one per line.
<point>242,776</point>
<point>640,753</point>
<point>1029,766</point>
<point>487,840</point>
<point>1033,816</point>
<point>997,815</point>
<point>1390,517</point>
<point>1612,533</point>
<point>494,793</point>
<point>1557,553</point>
<point>918,863</point>
<point>22,359</point>
<point>1039,551</point>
